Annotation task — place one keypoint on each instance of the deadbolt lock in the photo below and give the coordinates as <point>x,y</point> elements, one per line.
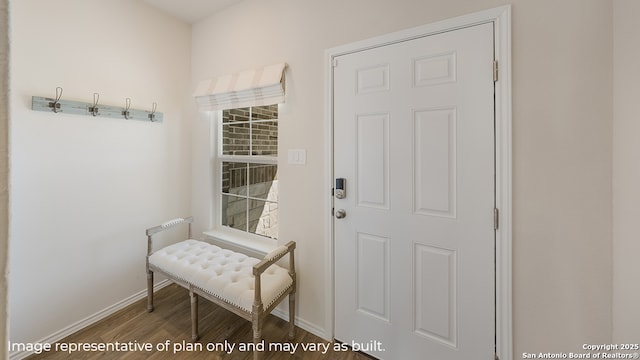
<point>340,191</point>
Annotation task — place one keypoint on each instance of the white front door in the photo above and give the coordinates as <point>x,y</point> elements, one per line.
<point>414,234</point>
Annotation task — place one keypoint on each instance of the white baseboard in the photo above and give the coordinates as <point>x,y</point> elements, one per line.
<point>302,324</point>
<point>73,328</point>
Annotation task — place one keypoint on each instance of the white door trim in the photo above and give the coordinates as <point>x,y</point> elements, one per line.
<point>501,17</point>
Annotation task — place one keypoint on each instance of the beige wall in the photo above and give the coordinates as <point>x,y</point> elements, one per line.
<point>626,172</point>
<point>562,180</point>
<point>83,189</point>
<point>562,143</point>
<point>4,171</point>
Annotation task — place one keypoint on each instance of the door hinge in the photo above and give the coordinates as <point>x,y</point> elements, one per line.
<point>335,62</point>
<point>496,218</point>
<point>495,70</point>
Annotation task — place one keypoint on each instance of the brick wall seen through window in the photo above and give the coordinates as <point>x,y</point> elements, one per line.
<point>249,170</point>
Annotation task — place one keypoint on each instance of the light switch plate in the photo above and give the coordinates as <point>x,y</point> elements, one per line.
<point>297,156</point>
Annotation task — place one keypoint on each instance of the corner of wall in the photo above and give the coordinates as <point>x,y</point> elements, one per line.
<point>4,173</point>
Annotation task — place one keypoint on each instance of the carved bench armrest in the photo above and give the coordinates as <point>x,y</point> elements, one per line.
<point>272,257</point>
<point>269,260</point>
<point>166,226</point>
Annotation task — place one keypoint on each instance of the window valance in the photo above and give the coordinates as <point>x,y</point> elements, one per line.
<point>256,87</point>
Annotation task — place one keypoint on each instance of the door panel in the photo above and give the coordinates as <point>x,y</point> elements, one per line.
<point>414,139</point>
<point>435,289</point>
<point>372,160</point>
<point>435,161</point>
<point>373,275</point>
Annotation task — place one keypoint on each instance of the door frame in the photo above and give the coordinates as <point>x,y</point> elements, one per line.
<point>501,18</point>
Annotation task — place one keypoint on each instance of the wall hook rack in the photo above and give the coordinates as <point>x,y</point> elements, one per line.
<point>57,105</point>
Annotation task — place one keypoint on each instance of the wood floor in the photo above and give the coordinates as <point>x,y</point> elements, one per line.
<point>170,322</point>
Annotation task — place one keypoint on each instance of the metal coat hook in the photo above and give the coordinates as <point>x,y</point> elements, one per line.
<point>55,105</point>
<point>125,113</point>
<point>152,115</point>
<point>94,109</point>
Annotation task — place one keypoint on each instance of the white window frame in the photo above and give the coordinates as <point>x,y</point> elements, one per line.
<point>243,240</point>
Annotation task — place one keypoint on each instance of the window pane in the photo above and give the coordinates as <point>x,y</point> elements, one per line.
<point>235,115</point>
<point>264,137</point>
<point>263,181</point>
<point>263,218</point>
<point>234,212</point>
<point>235,139</point>
<point>249,198</point>
<point>268,112</point>
<point>234,178</point>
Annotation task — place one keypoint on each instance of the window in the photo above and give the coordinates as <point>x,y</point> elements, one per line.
<point>247,160</point>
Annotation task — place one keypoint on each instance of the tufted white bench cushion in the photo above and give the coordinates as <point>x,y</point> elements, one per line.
<point>222,273</point>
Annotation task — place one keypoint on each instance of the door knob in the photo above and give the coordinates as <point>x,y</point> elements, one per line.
<point>340,214</point>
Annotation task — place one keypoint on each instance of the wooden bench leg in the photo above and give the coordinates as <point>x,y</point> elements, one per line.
<point>292,315</point>
<point>149,291</point>
<point>194,315</point>
<point>257,337</point>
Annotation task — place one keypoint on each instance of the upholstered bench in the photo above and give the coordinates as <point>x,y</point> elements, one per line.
<point>247,286</point>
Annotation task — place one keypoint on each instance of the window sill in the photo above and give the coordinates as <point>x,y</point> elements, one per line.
<point>255,247</point>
